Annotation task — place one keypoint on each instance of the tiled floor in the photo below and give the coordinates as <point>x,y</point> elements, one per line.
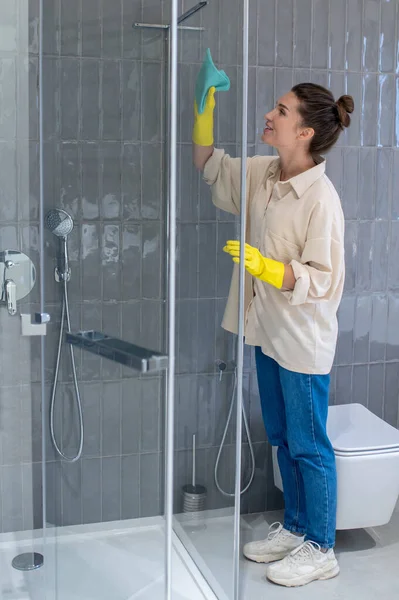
<point>369,562</point>
<point>109,565</point>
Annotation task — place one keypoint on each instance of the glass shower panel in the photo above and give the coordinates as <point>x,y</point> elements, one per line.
<point>21,534</point>
<point>205,419</point>
<point>103,158</point>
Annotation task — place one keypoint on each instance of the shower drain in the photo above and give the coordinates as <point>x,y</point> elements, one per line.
<point>29,561</point>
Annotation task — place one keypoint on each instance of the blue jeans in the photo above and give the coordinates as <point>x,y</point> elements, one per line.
<point>294,409</point>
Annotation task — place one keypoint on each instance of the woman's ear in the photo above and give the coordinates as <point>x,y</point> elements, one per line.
<point>306,134</point>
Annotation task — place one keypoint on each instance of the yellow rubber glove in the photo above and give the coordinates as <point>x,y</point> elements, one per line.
<point>203,124</point>
<point>266,269</point>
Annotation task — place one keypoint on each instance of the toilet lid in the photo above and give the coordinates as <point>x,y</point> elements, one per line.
<point>353,428</point>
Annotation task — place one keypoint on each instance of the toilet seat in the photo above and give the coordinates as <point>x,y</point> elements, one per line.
<point>355,431</point>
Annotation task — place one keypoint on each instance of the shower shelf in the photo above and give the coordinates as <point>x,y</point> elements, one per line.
<point>125,353</point>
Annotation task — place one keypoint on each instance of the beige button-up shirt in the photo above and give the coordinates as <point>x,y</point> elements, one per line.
<point>298,222</point>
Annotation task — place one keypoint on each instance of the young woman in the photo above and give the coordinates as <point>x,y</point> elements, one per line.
<point>294,259</point>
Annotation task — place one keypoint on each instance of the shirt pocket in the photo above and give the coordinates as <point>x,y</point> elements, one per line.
<point>278,248</point>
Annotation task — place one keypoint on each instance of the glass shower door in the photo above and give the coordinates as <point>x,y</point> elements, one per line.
<point>21,294</point>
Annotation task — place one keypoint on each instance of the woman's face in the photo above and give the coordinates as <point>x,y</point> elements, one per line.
<point>283,124</point>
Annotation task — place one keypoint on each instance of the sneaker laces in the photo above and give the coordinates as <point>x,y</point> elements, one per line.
<point>304,552</point>
<point>274,531</point>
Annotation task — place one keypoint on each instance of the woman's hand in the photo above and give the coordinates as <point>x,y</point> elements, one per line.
<point>270,271</point>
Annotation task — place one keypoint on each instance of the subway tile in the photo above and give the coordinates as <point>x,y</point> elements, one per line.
<point>9,26</point>
<point>37,495</point>
<point>344,384</point>
<point>387,36</point>
<point>91,490</point>
<point>386,110</point>
<point>152,106</point>
<point>151,199</point>
<point>51,98</point>
<point>371,17</point>
<point>187,311</point>
<point>380,250</point>
<point>337,35</point>
<point>251,120</point>
<point>360,384</point>
<point>131,314</point>
<point>70,27</point>
<point>266,33</point>
<point>8,91</point>
<point>265,96</point>
<point>262,481</point>
<point>346,319</point>
<point>111,29</point>
<point>206,399</point>
<point>92,414</point>
<point>151,263</point>
<point>354,35</point>
<point>211,23</point>
<point>152,42</point>
<point>12,498</point>
<point>393,271</point>
<point>131,181</point>
<point>111,266</point>
<point>110,164</point>
<point>364,262</point>
<point>362,329</point>
<point>111,489</point>
<point>91,262</point>
<point>320,34</point>
<point>71,489</point>
<point>130,492</point>
<point>70,179</point>
<point>69,98</point>
<point>334,168</point>
<point>301,75</point>
<point>91,28</point>
<point>378,330</point>
<point>131,421</point>
<point>111,419</point>
<point>11,422</point>
<point>33,73</point>
<point>190,50</point>
<point>383,197</point>
<point>206,335</point>
<point>302,32</point>
<point>257,427</point>
<point>207,236</point>
<point>230,17</point>
<point>34,12</point>
<point>111,100</point>
<point>367,176</point>
<point>90,164</point>
<point>320,77</point>
<point>90,103</point>
<point>284,33</point>
<point>187,260</point>
<point>376,388</point>
<point>153,324</point>
<point>131,261</point>
<point>132,107</point>
<point>53,493</point>
<point>391,394</point>
<point>8,182</point>
<point>151,415</point>
<point>131,37</point>
<point>350,157</point>
<point>150,488</point>
<point>392,348</point>
<point>283,82</point>
<point>354,88</point>
<point>224,346</point>
<point>51,27</point>
<point>188,186</point>
<point>369,110</point>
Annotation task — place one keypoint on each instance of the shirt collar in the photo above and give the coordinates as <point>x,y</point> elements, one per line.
<point>302,182</point>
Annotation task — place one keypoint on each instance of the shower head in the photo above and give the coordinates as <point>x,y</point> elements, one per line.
<point>59,222</point>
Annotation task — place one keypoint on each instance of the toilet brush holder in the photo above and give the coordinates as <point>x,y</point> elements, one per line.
<point>194,495</point>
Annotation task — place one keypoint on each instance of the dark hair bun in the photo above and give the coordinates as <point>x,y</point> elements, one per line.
<point>345,106</point>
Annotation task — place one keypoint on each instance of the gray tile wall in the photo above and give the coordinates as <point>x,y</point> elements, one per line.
<point>350,46</point>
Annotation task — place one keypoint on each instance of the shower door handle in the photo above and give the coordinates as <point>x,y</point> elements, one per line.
<point>39,327</point>
<point>10,291</point>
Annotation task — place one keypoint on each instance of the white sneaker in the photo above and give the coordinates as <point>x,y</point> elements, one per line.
<point>305,564</point>
<point>279,543</point>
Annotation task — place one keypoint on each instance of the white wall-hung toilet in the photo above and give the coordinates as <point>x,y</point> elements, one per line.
<point>367,457</point>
